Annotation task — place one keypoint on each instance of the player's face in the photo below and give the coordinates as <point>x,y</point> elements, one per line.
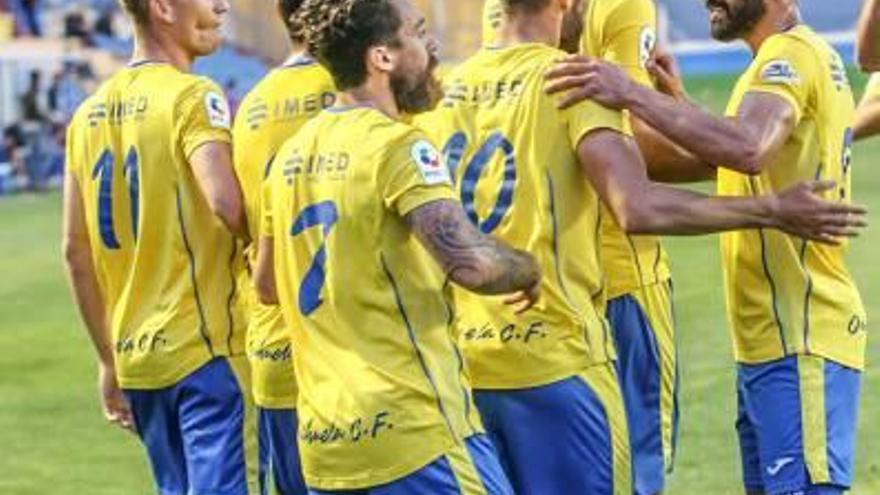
<point>416,88</point>
<point>733,19</point>
<point>197,25</point>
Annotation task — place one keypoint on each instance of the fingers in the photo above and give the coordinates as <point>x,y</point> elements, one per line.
<point>564,83</point>
<point>570,66</point>
<point>523,300</point>
<point>119,415</point>
<point>820,186</point>
<point>575,96</point>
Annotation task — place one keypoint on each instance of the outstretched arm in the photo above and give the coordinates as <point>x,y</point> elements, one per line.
<point>745,143</point>
<point>471,259</point>
<point>613,165</point>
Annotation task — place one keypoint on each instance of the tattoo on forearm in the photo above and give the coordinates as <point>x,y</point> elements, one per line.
<point>469,257</point>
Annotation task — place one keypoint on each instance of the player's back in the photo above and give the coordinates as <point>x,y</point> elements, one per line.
<point>272,112</point>
<point>787,295</point>
<point>381,393</point>
<point>513,155</point>
<point>165,264</point>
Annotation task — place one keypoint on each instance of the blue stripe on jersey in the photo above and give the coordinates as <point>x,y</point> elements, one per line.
<point>203,327</point>
<point>412,338</point>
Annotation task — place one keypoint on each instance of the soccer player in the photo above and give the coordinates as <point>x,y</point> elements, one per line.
<point>638,278</point>
<point>151,204</point>
<point>545,380</point>
<point>359,213</point>
<point>799,326</point>
<point>271,113</point>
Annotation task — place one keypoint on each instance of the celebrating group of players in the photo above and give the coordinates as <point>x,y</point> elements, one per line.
<point>455,288</point>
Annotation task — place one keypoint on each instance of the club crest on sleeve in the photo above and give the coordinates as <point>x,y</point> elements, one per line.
<point>780,72</point>
<point>218,110</point>
<point>647,44</point>
<point>429,163</point>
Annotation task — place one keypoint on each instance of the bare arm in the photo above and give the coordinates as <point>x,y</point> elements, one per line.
<point>264,274</point>
<point>867,120</point>
<point>211,164</point>
<point>612,164</point>
<point>745,143</point>
<point>668,162</point>
<point>89,301</point>
<point>471,259</point>
<point>868,37</point>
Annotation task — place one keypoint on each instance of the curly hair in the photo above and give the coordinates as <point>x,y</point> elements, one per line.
<point>139,10</point>
<point>288,10</point>
<point>340,32</point>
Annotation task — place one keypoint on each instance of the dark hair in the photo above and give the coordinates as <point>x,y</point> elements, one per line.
<point>340,32</point>
<point>524,5</point>
<point>139,10</point>
<point>287,9</point>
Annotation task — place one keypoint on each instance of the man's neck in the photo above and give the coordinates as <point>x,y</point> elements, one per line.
<point>542,27</point>
<point>772,23</point>
<point>148,46</point>
<point>374,94</point>
<point>297,52</point>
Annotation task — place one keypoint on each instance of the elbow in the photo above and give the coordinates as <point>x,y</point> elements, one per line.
<point>266,294</point>
<point>866,63</point>
<point>748,159</point>
<point>229,210</point>
<point>634,216</point>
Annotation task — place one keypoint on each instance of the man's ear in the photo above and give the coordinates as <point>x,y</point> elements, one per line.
<point>162,10</point>
<point>381,59</point>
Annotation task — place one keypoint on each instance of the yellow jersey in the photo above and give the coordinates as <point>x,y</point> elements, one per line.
<point>166,266</point>
<point>513,154</point>
<point>623,32</point>
<point>785,295</point>
<point>382,390</point>
<point>270,114</point>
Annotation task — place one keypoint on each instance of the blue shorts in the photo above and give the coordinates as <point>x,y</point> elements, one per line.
<point>197,433</point>
<point>469,470</point>
<point>279,454</point>
<point>797,425</point>
<point>565,437</point>
<point>647,364</point>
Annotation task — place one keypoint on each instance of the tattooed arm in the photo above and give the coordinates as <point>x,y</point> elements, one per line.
<point>471,259</point>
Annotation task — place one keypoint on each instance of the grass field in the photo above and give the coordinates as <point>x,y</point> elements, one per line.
<point>53,439</point>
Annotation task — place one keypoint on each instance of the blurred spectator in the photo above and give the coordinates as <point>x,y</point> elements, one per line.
<point>31,105</point>
<point>27,14</point>
<point>104,23</point>
<point>75,27</point>
<point>67,91</point>
<point>13,173</point>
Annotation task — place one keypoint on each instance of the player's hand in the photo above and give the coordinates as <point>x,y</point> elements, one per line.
<point>801,211</point>
<point>113,402</point>
<point>664,69</point>
<point>524,300</point>
<point>582,78</point>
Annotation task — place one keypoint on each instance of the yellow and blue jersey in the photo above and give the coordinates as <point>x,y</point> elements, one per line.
<point>527,188</point>
<point>785,295</point>
<point>382,391</point>
<point>271,113</point>
<point>166,266</point>
<point>623,32</point>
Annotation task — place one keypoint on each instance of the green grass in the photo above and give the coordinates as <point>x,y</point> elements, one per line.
<point>53,439</point>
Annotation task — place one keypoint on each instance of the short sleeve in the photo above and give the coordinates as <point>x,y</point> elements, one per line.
<point>203,116</point>
<point>413,174</point>
<point>589,116</point>
<point>631,37</point>
<point>785,67</point>
<point>70,157</point>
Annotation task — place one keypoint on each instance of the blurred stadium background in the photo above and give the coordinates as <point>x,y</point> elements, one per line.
<point>54,52</point>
